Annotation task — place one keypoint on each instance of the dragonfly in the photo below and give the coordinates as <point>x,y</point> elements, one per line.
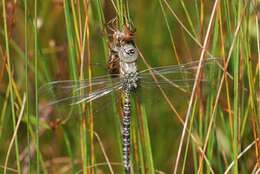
<point>125,78</point>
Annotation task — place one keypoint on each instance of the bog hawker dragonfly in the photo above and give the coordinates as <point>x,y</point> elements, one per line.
<point>126,78</point>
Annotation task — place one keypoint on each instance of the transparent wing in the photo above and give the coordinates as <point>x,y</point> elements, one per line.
<point>63,97</point>
<point>75,92</point>
<point>179,76</point>
<point>188,67</point>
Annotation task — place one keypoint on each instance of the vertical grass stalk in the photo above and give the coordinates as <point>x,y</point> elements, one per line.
<point>36,87</point>
<point>10,78</point>
<point>27,112</point>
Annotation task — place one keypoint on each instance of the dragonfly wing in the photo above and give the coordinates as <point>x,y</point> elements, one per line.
<point>184,68</point>
<point>75,92</point>
<point>178,76</point>
<point>63,98</point>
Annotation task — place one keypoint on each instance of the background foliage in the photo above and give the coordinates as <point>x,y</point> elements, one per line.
<point>42,41</point>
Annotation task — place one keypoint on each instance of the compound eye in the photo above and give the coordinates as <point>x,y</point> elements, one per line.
<point>131,52</point>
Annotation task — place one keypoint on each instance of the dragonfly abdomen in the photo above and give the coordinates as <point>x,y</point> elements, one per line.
<point>126,132</point>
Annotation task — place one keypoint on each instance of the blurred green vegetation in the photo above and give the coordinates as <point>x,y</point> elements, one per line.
<point>50,40</point>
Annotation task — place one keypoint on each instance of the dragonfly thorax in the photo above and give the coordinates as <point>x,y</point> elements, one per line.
<point>127,54</point>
